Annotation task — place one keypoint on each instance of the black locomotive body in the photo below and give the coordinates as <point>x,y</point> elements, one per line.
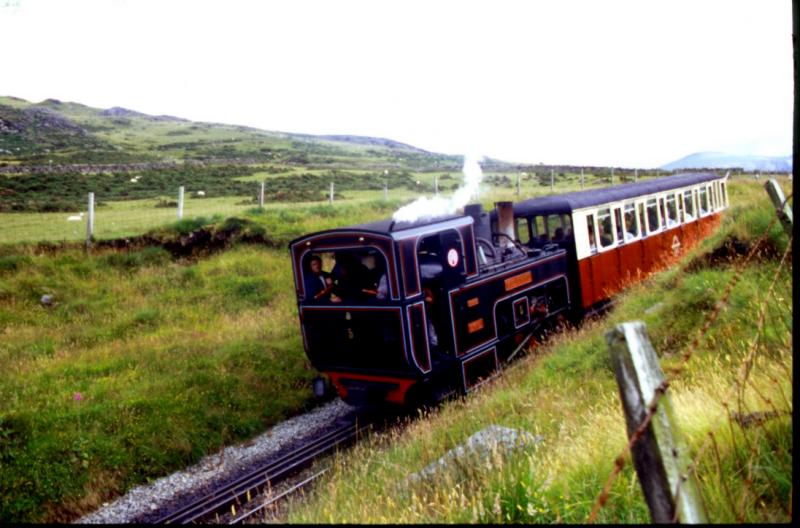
<point>415,310</point>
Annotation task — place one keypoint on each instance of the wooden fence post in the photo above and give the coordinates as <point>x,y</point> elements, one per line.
<point>660,456</point>
<point>784,210</point>
<point>330,197</point>
<point>552,180</point>
<point>518,177</point>
<point>90,221</point>
<point>180,202</point>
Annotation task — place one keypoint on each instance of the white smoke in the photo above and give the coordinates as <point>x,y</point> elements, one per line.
<point>425,207</point>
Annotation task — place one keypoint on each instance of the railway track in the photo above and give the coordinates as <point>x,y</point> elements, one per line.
<point>228,501</point>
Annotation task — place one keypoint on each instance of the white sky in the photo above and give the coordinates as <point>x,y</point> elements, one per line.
<point>625,83</point>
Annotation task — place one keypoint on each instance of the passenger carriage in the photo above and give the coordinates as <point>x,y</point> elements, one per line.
<point>419,309</point>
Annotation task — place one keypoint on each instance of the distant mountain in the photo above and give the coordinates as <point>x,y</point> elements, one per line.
<point>721,160</point>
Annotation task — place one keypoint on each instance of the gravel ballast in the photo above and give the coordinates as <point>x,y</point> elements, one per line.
<point>145,503</point>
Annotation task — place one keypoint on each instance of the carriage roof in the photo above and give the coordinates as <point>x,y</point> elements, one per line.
<point>564,203</point>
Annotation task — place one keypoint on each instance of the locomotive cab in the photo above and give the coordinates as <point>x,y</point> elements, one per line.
<point>393,312</point>
<point>372,302</point>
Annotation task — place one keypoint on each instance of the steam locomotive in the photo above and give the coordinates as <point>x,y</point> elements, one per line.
<point>411,311</point>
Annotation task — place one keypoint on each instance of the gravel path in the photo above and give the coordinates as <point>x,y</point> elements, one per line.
<point>141,502</point>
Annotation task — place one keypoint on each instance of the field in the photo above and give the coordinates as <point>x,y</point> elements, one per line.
<point>565,391</point>
<point>145,363</point>
<point>124,218</point>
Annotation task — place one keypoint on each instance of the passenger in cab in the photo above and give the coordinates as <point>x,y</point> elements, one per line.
<point>375,283</point>
<point>318,283</point>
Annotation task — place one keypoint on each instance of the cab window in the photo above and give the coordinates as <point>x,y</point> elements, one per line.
<point>539,230</point>
<point>523,231</point>
<point>355,275</point>
<point>554,228</point>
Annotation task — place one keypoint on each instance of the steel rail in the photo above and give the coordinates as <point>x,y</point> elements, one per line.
<point>272,500</point>
<point>232,493</point>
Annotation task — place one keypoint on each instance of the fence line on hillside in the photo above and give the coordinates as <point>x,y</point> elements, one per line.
<point>536,180</point>
<point>644,429</point>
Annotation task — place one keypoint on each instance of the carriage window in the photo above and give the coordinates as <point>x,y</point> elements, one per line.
<point>652,215</point>
<point>631,229</point>
<point>662,213</point>
<point>712,197</point>
<point>703,201</point>
<point>604,227</point>
<point>723,194</point>
<point>688,205</point>
<point>347,275</point>
<point>523,233</point>
<point>672,211</point>
<point>618,224</point>
<point>679,198</point>
<point>590,229</point>
<point>642,225</point>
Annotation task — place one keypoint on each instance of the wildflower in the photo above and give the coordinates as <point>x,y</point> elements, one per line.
<point>77,396</point>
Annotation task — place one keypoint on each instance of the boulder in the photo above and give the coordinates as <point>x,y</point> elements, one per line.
<point>479,446</point>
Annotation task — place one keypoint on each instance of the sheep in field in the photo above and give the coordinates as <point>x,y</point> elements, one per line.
<point>75,218</point>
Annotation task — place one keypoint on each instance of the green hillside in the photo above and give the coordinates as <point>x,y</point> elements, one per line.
<point>64,132</point>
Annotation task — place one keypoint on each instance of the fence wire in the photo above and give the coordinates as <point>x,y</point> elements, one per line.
<point>737,390</point>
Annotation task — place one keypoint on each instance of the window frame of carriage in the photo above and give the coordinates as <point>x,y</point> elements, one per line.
<point>642,209</point>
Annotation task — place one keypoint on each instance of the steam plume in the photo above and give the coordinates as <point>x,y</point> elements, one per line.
<point>425,207</point>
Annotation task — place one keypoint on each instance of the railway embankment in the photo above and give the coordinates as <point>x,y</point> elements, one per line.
<point>732,398</point>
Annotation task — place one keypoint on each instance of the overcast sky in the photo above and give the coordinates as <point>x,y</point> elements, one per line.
<point>625,83</point>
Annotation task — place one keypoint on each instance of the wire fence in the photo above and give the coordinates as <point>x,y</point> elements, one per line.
<point>760,466</point>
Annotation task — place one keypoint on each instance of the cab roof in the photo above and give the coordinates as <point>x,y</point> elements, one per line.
<point>388,227</point>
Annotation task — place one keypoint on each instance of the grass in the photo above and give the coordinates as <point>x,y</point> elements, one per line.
<point>172,362</point>
<point>565,391</point>
<point>175,359</point>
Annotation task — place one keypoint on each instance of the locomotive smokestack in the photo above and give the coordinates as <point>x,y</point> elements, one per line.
<point>505,222</point>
